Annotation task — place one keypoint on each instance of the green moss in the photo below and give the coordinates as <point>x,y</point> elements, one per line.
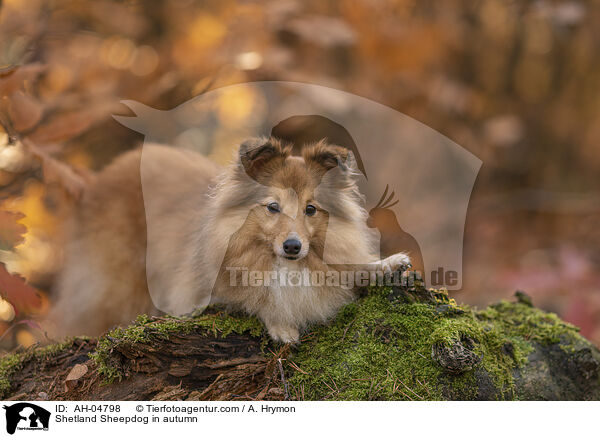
<point>13,362</point>
<point>9,364</point>
<point>378,348</point>
<point>147,329</point>
<point>528,323</point>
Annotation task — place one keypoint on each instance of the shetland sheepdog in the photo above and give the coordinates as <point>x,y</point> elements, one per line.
<point>227,233</point>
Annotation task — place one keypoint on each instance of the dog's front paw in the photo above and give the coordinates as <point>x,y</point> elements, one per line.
<point>396,262</point>
<point>284,334</point>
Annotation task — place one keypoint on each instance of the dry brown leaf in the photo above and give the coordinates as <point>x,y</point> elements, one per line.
<point>7,70</point>
<point>76,373</point>
<point>11,232</point>
<point>25,111</point>
<point>15,78</point>
<point>13,288</point>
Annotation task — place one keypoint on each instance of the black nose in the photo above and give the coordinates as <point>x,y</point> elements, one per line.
<point>292,246</point>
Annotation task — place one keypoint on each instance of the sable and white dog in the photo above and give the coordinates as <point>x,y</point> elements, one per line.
<point>213,229</point>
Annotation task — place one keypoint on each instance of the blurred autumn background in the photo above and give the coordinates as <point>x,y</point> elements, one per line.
<point>517,83</point>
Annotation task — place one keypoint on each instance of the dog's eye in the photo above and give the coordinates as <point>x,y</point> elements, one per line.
<point>310,210</point>
<point>273,207</point>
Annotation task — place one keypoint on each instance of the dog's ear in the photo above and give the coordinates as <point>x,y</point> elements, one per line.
<point>328,156</point>
<point>256,153</point>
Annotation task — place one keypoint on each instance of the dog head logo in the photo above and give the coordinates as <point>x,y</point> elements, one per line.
<point>416,182</point>
<point>26,416</point>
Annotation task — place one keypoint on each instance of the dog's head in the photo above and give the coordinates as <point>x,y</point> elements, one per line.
<point>291,199</point>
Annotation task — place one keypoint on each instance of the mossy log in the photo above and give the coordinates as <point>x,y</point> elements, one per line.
<point>391,344</point>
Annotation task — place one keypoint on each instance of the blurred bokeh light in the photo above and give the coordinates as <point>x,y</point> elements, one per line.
<point>515,83</point>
